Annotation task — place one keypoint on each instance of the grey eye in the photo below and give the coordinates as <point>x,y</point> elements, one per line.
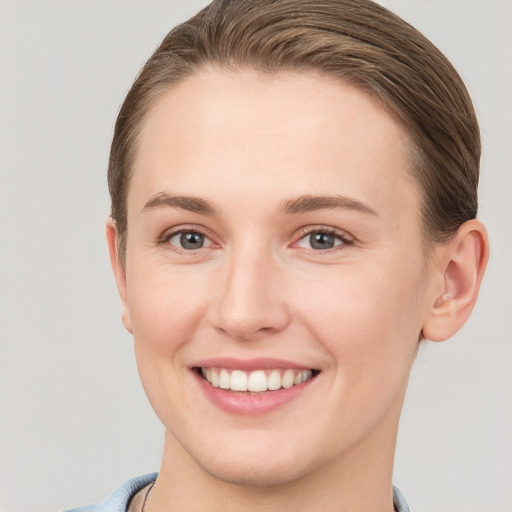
<point>322,241</point>
<point>188,240</point>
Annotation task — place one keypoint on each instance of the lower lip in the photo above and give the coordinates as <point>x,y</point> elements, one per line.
<point>244,403</point>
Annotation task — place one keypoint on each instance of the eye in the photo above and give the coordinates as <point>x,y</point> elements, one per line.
<point>188,240</point>
<point>322,240</point>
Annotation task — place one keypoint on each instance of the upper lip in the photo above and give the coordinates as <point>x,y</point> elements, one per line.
<point>259,363</point>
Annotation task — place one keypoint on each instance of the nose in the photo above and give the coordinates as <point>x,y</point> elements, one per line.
<point>251,302</point>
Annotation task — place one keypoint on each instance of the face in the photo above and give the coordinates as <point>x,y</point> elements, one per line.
<point>275,277</point>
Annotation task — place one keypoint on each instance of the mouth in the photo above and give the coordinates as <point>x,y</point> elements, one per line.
<point>253,387</point>
<point>256,381</point>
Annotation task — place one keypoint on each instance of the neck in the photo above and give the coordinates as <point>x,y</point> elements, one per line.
<point>360,479</point>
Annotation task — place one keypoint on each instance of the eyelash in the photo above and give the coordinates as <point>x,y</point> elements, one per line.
<point>345,239</point>
<point>167,236</point>
<point>342,237</point>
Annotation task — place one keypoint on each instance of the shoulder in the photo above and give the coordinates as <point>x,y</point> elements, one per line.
<point>399,503</point>
<point>119,499</point>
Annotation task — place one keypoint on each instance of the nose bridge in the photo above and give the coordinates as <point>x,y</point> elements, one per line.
<point>251,303</point>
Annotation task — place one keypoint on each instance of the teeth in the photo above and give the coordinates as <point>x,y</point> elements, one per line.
<point>288,379</point>
<point>238,381</point>
<point>274,380</point>
<point>224,379</point>
<point>213,378</point>
<point>257,381</point>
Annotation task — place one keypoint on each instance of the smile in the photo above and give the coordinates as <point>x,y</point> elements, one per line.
<point>255,386</point>
<point>257,381</point>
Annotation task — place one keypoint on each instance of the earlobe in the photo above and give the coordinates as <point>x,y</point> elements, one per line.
<point>462,265</point>
<point>119,272</point>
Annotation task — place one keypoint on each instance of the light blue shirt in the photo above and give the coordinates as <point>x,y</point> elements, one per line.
<point>119,499</point>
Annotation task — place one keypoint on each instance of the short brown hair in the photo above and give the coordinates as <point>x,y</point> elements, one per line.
<point>357,41</point>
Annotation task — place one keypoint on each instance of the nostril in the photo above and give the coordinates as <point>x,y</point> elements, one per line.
<point>241,334</point>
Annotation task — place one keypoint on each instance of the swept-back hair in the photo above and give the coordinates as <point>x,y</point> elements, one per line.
<point>359,42</point>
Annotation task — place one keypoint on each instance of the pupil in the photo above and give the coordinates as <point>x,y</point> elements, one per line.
<point>191,240</point>
<point>321,241</point>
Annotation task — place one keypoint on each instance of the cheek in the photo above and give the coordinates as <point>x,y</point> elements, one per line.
<point>369,323</point>
<point>165,310</point>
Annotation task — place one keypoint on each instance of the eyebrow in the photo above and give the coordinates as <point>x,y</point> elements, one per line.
<point>300,205</point>
<point>192,204</point>
<point>305,204</point>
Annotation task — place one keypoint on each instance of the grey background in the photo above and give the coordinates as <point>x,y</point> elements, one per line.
<point>74,419</point>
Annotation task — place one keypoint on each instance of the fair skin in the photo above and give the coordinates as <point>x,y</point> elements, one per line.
<point>304,252</point>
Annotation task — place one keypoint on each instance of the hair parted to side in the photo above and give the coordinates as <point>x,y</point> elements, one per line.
<point>357,41</point>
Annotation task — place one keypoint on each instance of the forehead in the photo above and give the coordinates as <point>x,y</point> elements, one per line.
<point>251,133</point>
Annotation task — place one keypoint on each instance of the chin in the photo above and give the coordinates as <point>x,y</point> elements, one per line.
<point>250,474</point>
<point>257,464</point>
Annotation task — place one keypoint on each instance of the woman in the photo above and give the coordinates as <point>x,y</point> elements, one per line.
<point>294,207</point>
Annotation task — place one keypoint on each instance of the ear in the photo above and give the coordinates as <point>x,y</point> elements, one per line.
<point>462,264</point>
<point>119,272</point>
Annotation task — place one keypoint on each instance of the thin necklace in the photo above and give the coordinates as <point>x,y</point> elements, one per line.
<point>147,494</point>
